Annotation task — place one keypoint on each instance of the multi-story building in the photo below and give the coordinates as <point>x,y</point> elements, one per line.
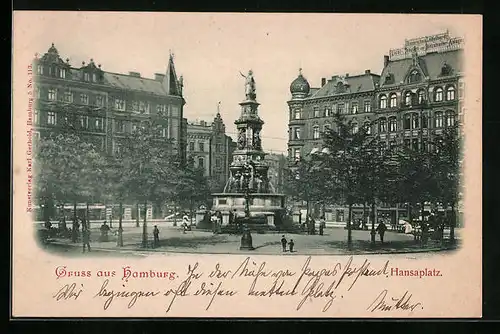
<point>103,106</point>
<point>416,96</point>
<point>276,163</point>
<point>211,149</point>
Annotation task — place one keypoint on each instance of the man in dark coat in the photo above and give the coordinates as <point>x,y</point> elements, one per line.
<point>283,243</point>
<point>381,228</point>
<point>86,239</point>
<point>156,235</point>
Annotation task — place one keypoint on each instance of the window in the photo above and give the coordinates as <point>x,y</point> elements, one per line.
<point>68,97</point>
<point>144,107</point>
<point>408,98</point>
<point>84,99</point>
<point>355,128</point>
<point>86,76</point>
<point>439,119</point>
<point>120,126</point>
<point>62,73</point>
<point>134,127</point>
<point>119,104</point>
<point>99,100</point>
<point>218,148</point>
<point>438,94</point>
<point>164,132</point>
<point>52,94</point>
<point>201,146</point>
<point>425,144</point>
<point>135,106</point>
<point>383,102</point>
<point>450,118</point>
<point>425,120</point>
<point>36,116</point>
<point>191,146</point>
<point>354,107</point>
<point>367,106</point>
<point>382,123</point>
<point>368,128</point>
<point>407,122</point>
<point>50,70</point>
<point>414,144</point>
<point>201,163</point>
<point>51,118</point>
<point>316,112</point>
<point>217,162</point>
<point>94,77</point>
<point>328,111</point>
<point>393,100</point>
<point>450,93</point>
<point>98,123</point>
<point>414,121</point>
<point>316,132</point>
<point>296,153</point>
<point>407,143</point>
<point>393,124</point>
<point>341,108</point>
<point>84,122</point>
<point>39,69</point>
<point>326,127</point>
<point>298,114</point>
<point>296,133</point>
<point>161,108</point>
<point>414,76</point>
<point>421,96</point>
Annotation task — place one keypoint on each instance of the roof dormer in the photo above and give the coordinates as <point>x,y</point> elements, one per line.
<point>91,73</point>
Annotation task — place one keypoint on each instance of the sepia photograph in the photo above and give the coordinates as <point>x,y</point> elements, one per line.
<point>152,135</point>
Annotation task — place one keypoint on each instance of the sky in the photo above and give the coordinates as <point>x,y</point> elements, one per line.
<point>210,49</point>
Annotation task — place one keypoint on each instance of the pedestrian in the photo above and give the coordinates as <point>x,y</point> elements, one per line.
<point>322,224</point>
<point>86,239</point>
<point>283,243</point>
<point>156,235</point>
<point>381,228</point>
<point>291,244</point>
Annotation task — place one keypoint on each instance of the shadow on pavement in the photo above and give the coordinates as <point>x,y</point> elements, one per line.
<point>392,246</point>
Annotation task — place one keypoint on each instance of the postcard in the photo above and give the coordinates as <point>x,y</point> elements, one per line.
<point>264,165</point>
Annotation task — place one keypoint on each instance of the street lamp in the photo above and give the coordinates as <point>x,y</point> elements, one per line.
<point>246,238</point>
<point>119,242</point>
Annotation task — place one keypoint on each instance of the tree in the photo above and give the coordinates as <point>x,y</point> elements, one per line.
<point>67,169</point>
<point>192,187</point>
<point>305,182</point>
<point>344,163</point>
<point>151,165</point>
<point>448,165</point>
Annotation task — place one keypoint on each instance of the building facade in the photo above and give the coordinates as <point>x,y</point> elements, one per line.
<point>211,149</point>
<point>417,95</point>
<point>277,164</point>
<point>103,106</point>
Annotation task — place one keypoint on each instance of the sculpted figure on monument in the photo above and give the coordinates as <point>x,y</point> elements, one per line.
<point>256,140</point>
<point>242,139</point>
<point>249,85</point>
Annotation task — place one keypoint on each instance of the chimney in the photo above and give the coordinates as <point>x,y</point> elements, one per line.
<point>134,74</point>
<point>367,71</point>
<point>347,75</point>
<point>323,82</point>
<point>159,76</point>
<point>386,60</point>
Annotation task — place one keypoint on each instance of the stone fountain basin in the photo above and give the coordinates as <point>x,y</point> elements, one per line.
<point>258,202</point>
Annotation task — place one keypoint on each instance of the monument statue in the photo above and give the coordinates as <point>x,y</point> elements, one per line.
<point>249,85</point>
<point>256,140</point>
<point>242,139</point>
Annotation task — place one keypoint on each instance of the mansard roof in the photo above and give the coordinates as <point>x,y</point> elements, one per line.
<point>431,65</point>
<point>347,85</point>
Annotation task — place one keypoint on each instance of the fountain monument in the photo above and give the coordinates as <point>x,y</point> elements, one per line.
<point>248,192</point>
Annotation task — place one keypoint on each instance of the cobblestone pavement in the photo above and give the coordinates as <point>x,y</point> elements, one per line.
<point>173,240</point>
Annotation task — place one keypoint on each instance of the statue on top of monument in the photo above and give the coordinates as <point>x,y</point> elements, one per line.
<point>249,85</point>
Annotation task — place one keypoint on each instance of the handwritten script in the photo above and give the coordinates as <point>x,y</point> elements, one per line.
<point>323,286</point>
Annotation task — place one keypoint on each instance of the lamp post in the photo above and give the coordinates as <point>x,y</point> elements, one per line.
<point>246,238</point>
<point>119,242</point>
